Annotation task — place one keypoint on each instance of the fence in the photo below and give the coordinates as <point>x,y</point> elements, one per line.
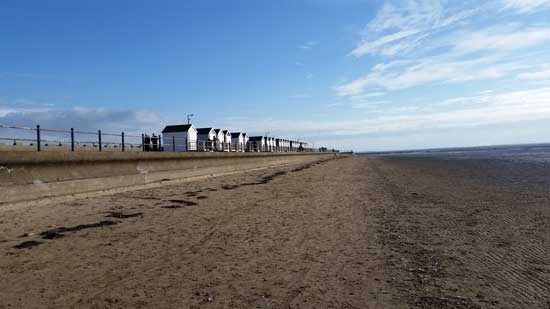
<point>40,139</point>
<point>43,138</point>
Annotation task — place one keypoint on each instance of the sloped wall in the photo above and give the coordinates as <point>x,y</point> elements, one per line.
<point>29,176</point>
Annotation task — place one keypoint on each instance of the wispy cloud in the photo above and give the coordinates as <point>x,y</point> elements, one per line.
<point>526,6</point>
<point>482,109</point>
<point>543,75</point>
<point>438,42</point>
<point>402,28</point>
<point>381,44</point>
<point>309,45</point>
<point>365,96</point>
<point>501,39</point>
<point>437,70</point>
<point>300,96</point>
<point>83,118</point>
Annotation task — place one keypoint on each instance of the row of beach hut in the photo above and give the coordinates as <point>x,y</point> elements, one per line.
<point>183,138</point>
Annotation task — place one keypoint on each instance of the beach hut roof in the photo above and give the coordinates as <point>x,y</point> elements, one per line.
<point>204,130</point>
<point>177,128</point>
<point>235,134</point>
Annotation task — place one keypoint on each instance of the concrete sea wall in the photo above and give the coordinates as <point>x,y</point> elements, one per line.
<point>26,176</point>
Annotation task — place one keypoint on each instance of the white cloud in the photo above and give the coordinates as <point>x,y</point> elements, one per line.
<point>371,105</point>
<point>526,6</point>
<point>309,45</point>
<point>85,119</point>
<point>336,104</point>
<point>537,76</point>
<point>22,106</point>
<point>399,75</point>
<point>411,14</point>
<point>376,45</point>
<point>366,96</point>
<point>504,38</point>
<point>300,96</point>
<point>432,42</point>
<point>484,109</point>
<point>489,53</point>
<point>404,28</point>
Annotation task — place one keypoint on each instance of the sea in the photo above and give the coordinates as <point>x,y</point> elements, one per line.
<point>525,153</point>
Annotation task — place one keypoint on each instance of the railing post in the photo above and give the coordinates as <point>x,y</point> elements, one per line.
<point>37,137</point>
<point>99,137</point>
<point>122,135</point>
<point>143,142</point>
<point>72,139</point>
<point>173,143</point>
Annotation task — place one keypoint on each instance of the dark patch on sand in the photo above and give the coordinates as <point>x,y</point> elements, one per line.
<point>303,167</point>
<point>61,231</point>
<point>202,197</point>
<point>180,204</point>
<point>120,215</point>
<point>193,193</point>
<point>230,187</point>
<point>27,244</point>
<point>262,181</point>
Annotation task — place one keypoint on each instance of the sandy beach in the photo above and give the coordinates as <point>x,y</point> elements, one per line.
<point>353,232</point>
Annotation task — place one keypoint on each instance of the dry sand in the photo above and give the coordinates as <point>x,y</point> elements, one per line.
<point>347,233</point>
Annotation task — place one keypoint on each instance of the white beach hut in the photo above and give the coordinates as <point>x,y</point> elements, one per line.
<point>206,138</point>
<point>238,141</point>
<point>257,143</point>
<point>245,142</point>
<point>279,143</point>
<point>220,139</point>
<point>269,147</point>
<point>227,140</point>
<point>178,138</point>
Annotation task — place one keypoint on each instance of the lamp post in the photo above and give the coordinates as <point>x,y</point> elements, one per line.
<point>189,118</point>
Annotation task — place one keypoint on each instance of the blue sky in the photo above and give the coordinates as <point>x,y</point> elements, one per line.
<point>352,74</point>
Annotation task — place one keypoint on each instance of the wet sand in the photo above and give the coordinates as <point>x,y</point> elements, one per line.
<point>348,233</point>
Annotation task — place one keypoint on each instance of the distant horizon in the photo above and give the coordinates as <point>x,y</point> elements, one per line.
<point>449,148</point>
<point>346,74</point>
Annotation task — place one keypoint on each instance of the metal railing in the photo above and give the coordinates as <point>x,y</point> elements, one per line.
<point>44,138</point>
